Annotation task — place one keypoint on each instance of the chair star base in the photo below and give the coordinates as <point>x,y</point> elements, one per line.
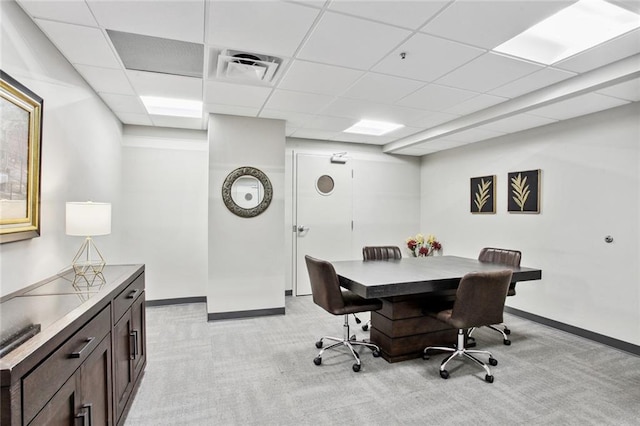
<point>461,351</point>
<point>348,341</point>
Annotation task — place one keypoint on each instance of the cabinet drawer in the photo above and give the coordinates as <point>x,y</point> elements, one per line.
<point>125,299</point>
<point>45,380</point>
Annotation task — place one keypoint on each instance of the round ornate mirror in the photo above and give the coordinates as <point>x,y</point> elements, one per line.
<point>247,192</point>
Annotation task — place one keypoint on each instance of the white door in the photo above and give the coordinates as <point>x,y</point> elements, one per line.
<point>323,213</point>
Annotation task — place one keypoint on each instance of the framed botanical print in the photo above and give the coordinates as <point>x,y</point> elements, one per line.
<point>524,192</point>
<point>20,142</point>
<point>483,191</point>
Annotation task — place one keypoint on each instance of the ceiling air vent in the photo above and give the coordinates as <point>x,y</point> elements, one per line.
<point>250,67</point>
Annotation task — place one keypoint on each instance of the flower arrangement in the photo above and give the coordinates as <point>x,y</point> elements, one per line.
<point>419,246</point>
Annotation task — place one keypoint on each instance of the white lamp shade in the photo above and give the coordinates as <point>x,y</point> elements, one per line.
<point>88,219</point>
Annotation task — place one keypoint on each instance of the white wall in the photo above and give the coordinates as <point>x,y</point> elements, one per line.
<point>246,255</point>
<point>377,176</point>
<point>80,152</point>
<point>590,188</point>
<point>165,220</point>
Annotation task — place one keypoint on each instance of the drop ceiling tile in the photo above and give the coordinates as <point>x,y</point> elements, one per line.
<point>293,118</point>
<point>350,42</point>
<point>475,104</point>
<point>435,97</point>
<point>243,111</point>
<point>123,103</point>
<point>580,105</point>
<point>235,94</point>
<point>334,124</point>
<point>427,58</point>
<point>489,23</point>
<point>178,20</point>
<point>274,28</point>
<point>286,100</point>
<point>106,80</point>
<point>603,54</point>
<point>79,44</point>
<point>488,72</point>
<point>133,118</point>
<point>531,82</point>
<point>406,14</point>
<point>382,88</point>
<point>72,12</point>
<point>629,90</point>
<point>359,110</point>
<point>312,77</point>
<point>165,85</point>
<point>518,122</point>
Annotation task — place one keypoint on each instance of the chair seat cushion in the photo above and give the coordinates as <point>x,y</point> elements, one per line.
<point>354,303</point>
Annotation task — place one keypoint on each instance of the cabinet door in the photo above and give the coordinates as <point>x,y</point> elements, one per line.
<point>122,355</point>
<point>140,346</point>
<point>95,384</point>
<point>64,407</point>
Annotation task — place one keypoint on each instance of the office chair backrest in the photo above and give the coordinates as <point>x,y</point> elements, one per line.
<point>381,252</point>
<point>325,286</point>
<point>480,299</point>
<point>501,256</point>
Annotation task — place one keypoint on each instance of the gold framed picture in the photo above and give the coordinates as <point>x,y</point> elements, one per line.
<point>483,190</point>
<point>524,192</point>
<point>20,143</point>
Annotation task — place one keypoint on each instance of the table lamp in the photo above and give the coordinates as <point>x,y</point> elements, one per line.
<point>88,219</point>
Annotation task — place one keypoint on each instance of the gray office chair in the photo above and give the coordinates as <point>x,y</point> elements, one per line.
<point>502,257</point>
<point>479,301</point>
<point>378,253</point>
<point>327,294</point>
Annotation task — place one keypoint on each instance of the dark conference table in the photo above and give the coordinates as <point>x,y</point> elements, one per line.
<point>406,287</point>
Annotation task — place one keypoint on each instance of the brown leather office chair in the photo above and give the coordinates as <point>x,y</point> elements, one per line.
<point>326,292</point>
<point>479,301</point>
<point>378,253</point>
<point>381,252</point>
<point>502,257</point>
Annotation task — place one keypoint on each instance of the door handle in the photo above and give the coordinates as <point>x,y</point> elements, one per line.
<point>303,228</point>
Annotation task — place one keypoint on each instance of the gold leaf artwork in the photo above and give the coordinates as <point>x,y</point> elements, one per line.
<point>482,195</point>
<point>520,190</point>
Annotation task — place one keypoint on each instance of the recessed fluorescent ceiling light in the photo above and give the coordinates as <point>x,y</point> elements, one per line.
<point>375,128</point>
<point>171,106</point>
<point>574,29</point>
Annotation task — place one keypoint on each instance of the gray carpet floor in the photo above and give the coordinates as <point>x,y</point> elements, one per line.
<point>260,371</point>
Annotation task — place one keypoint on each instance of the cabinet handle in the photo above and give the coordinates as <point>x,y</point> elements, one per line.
<point>78,354</point>
<point>133,293</point>
<point>86,413</point>
<point>135,353</point>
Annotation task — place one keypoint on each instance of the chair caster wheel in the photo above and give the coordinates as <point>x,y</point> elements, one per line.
<point>507,331</point>
<point>317,360</point>
<point>493,361</point>
<point>444,374</point>
<point>319,344</point>
<point>353,337</point>
<point>356,367</point>
<point>376,353</point>
<point>506,342</point>
<point>365,327</point>
<point>425,356</point>
<point>488,378</point>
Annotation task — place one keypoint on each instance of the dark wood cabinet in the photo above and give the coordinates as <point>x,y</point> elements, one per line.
<point>129,345</point>
<point>84,364</point>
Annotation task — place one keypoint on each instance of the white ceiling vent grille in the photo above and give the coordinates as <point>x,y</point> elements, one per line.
<point>248,67</point>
